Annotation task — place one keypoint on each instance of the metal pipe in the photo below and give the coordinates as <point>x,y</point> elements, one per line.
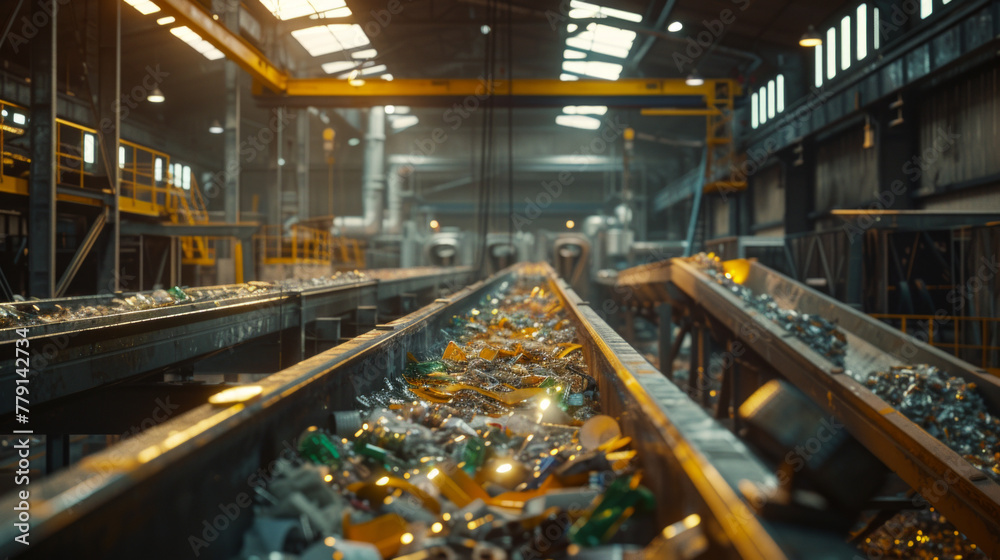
<point>393,223</point>
<point>373,182</point>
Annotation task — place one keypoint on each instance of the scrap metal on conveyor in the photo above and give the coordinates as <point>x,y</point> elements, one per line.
<point>838,385</point>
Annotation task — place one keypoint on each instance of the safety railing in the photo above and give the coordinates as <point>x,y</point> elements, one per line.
<point>348,253</point>
<point>76,153</point>
<point>146,182</point>
<point>296,245</point>
<point>973,339</point>
<point>13,125</point>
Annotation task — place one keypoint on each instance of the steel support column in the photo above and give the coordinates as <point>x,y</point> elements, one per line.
<point>109,136</point>
<point>231,126</point>
<point>42,185</point>
<point>898,139</point>
<point>800,191</point>
<point>56,451</point>
<point>665,329</point>
<point>302,165</point>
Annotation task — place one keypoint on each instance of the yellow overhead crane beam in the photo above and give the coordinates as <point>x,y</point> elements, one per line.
<point>671,94</point>
<point>236,48</point>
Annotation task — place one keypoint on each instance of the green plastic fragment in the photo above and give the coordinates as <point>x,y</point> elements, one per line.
<point>474,455</point>
<point>425,368</point>
<point>177,293</point>
<point>619,501</point>
<point>320,449</point>
<point>368,450</point>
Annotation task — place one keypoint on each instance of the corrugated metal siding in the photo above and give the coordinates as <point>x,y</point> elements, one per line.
<point>777,231</point>
<point>720,217</point>
<point>846,173</point>
<point>960,131</point>
<point>972,200</point>
<point>769,196</point>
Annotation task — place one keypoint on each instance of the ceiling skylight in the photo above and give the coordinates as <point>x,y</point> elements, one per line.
<point>197,43</point>
<point>326,39</point>
<point>339,66</point>
<point>578,121</point>
<point>367,68</point>
<point>585,110</point>
<point>581,10</point>
<point>568,77</point>
<point>373,70</point>
<point>367,53</point>
<point>288,9</point>
<point>603,39</point>
<point>145,7</point>
<point>399,122</point>
<point>593,68</point>
<point>570,54</point>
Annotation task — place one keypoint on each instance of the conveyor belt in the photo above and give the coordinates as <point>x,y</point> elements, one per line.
<point>971,500</point>
<point>147,495</point>
<point>73,356</point>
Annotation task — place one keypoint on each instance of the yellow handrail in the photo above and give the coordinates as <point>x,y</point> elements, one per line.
<point>925,325</point>
<point>299,245</point>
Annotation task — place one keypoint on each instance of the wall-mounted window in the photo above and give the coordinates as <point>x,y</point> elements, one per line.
<point>763,105</point>
<point>187,178</point>
<point>926,8</point>
<point>878,29</point>
<point>771,98</point>
<point>819,65</point>
<point>845,43</point>
<point>831,53</point>
<point>781,92</point>
<point>158,169</point>
<point>121,157</point>
<point>768,101</point>
<point>862,19</point>
<point>89,152</point>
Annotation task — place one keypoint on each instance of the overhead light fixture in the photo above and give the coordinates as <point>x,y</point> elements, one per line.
<point>694,79</point>
<point>811,38</point>
<point>353,141</point>
<point>390,109</point>
<point>578,121</point>
<point>354,80</point>
<point>165,20</point>
<point>387,77</point>
<point>675,26</point>
<point>216,128</point>
<point>485,30</point>
<point>156,96</point>
<point>570,224</point>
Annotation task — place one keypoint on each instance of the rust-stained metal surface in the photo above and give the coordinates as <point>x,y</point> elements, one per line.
<point>966,495</point>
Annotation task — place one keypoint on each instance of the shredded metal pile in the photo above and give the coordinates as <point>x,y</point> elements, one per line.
<point>949,408</point>
<point>924,535</point>
<point>493,449</point>
<point>820,334</point>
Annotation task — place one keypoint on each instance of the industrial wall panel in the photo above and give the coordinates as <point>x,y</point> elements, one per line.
<point>979,28</point>
<point>720,216</point>
<point>769,196</point>
<point>969,200</point>
<point>959,131</point>
<point>846,174</point>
